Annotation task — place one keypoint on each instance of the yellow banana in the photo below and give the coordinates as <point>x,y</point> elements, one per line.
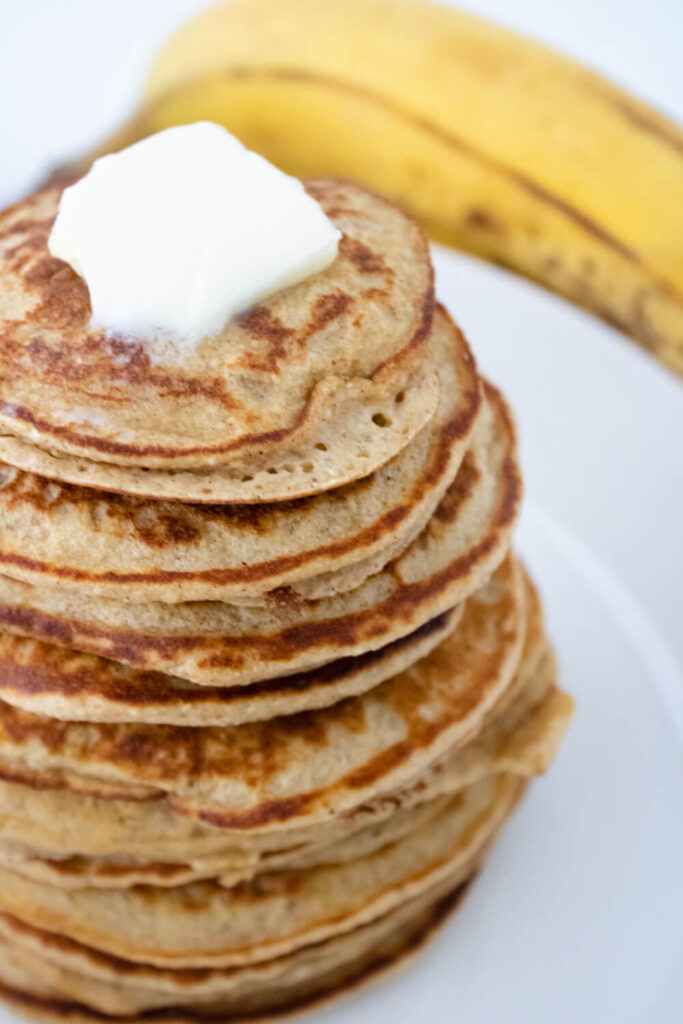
<point>500,146</point>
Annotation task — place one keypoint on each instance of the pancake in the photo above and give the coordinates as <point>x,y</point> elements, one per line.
<point>129,549</point>
<point>302,768</point>
<point>138,981</point>
<point>319,972</point>
<point>214,643</point>
<point>60,683</point>
<point>382,428</point>
<point>238,866</point>
<point>204,924</point>
<point>320,354</point>
<point>61,823</point>
<point>522,742</point>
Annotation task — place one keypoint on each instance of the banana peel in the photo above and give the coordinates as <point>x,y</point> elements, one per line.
<point>501,147</point>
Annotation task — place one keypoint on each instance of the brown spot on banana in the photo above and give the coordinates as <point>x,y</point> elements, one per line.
<point>479,219</point>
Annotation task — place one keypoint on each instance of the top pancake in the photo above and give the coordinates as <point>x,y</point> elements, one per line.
<point>318,358</point>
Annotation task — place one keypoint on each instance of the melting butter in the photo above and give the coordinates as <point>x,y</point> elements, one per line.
<point>183,230</point>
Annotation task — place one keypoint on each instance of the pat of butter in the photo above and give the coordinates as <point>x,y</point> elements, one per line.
<point>179,232</point>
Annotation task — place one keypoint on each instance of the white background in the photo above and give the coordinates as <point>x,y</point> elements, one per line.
<point>580,916</point>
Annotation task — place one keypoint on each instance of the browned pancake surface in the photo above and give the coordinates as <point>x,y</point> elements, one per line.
<point>128,548</point>
<point>265,381</point>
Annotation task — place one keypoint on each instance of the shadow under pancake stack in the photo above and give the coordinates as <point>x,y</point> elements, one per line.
<point>271,679</point>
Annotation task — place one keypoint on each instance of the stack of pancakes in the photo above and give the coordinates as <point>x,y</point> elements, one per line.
<point>271,679</point>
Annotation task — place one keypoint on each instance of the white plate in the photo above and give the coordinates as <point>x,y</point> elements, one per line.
<point>577,917</point>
